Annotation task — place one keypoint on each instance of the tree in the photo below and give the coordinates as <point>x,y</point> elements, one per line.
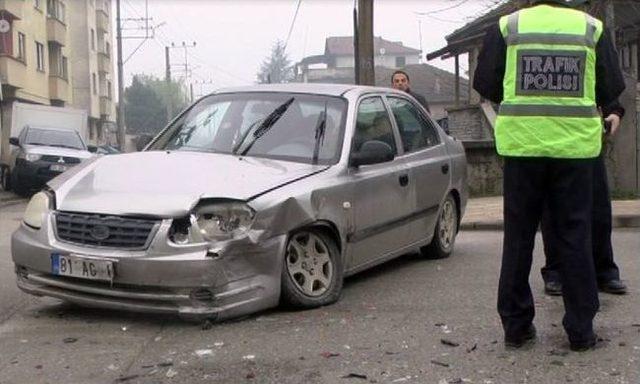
<point>277,67</point>
<point>147,102</point>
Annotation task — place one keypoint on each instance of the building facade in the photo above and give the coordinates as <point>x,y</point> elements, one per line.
<point>91,33</point>
<point>34,58</point>
<point>338,59</point>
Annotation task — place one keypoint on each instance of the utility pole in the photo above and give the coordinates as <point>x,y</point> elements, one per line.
<point>356,57</point>
<point>185,64</point>
<point>120,113</point>
<point>364,56</point>
<point>149,33</point>
<point>167,60</point>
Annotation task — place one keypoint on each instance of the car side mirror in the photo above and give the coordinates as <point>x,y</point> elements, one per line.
<point>92,148</point>
<point>372,152</point>
<point>14,141</point>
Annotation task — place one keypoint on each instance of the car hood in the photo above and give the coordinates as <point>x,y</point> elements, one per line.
<point>57,151</point>
<point>169,184</point>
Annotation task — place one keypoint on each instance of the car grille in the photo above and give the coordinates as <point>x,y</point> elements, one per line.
<point>54,159</point>
<point>104,230</point>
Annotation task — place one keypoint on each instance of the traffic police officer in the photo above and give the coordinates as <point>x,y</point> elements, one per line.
<point>549,66</point>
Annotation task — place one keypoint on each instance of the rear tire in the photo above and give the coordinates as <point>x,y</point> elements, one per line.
<point>444,236</point>
<point>5,179</point>
<point>312,270</point>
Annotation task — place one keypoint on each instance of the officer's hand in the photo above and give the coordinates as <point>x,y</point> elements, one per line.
<point>615,123</point>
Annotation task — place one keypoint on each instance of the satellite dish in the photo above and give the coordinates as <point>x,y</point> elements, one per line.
<point>5,26</point>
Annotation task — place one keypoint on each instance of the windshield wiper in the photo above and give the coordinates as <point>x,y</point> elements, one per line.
<point>37,144</point>
<point>321,126</point>
<point>263,128</point>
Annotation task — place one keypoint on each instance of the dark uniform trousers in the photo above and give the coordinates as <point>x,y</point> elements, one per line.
<point>606,268</point>
<point>566,186</point>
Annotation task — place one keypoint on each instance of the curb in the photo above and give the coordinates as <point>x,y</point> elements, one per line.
<point>619,221</point>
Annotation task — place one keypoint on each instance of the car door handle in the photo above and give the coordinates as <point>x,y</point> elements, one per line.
<point>404,180</point>
<point>445,168</point>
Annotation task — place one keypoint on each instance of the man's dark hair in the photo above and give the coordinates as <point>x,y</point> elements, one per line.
<point>399,72</point>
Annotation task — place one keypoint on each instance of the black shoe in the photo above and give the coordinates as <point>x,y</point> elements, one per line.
<point>584,346</point>
<point>614,286</point>
<point>519,340</point>
<point>553,288</point>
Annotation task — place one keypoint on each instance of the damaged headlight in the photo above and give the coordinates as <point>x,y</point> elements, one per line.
<point>220,221</point>
<point>36,209</point>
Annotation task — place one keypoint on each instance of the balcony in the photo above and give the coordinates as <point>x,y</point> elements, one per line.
<point>13,7</point>
<point>56,31</point>
<point>101,6</point>
<point>58,88</point>
<point>102,21</point>
<point>13,72</point>
<point>104,62</point>
<point>105,106</point>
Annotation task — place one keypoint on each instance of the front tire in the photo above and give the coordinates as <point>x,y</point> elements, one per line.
<point>312,270</point>
<point>6,179</point>
<point>444,236</point>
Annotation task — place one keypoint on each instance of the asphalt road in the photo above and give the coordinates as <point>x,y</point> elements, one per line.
<point>389,327</point>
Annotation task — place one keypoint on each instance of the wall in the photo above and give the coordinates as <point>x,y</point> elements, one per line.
<point>484,168</point>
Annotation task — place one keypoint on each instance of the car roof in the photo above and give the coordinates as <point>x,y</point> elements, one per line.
<point>310,88</point>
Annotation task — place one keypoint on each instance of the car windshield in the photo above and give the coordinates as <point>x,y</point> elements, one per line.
<point>285,126</point>
<point>54,138</point>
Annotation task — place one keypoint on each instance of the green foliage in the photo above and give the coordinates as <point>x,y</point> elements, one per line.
<point>277,67</point>
<point>148,101</point>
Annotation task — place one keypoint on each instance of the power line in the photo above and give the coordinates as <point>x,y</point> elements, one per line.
<point>295,16</point>
<point>443,9</point>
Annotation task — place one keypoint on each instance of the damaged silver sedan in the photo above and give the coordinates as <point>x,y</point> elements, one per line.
<point>250,198</point>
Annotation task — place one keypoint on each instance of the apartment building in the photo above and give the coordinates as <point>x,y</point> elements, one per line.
<point>34,57</point>
<point>91,45</point>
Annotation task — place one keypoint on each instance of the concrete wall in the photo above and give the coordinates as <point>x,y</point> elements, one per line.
<point>621,151</point>
<point>468,124</point>
<point>484,168</point>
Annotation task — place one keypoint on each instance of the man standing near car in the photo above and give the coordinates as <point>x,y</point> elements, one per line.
<point>549,66</point>
<point>400,80</point>
<point>607,272</point>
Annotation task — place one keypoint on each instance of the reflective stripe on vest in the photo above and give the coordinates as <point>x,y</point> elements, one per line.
<point>549,106</point>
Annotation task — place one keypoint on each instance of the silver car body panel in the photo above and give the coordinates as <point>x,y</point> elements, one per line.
<point>370,215</point>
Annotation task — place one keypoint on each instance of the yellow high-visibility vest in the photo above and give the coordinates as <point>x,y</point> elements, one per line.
<point>549,105</point>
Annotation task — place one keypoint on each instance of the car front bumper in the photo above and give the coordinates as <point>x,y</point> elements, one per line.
<point>216,281</point>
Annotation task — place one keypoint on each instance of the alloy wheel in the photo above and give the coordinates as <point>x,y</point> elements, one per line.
<point>309,263</point>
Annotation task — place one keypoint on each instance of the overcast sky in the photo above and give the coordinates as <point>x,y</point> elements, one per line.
<point>234,36</point>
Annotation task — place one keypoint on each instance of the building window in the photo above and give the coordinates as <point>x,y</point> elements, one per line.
<point>93,39</point>
<point>95,84</point>
<point>109,89</point>
<point>56,10</point>
<point>22,45</point>
<point>65,68</point>
<point>40,56</point>
<point>401,61</point>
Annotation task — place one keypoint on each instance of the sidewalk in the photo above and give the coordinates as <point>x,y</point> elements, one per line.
<point>485,213</point>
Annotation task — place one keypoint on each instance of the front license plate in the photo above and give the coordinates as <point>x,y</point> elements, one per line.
<point>58,167</point>
<point>82,266</point>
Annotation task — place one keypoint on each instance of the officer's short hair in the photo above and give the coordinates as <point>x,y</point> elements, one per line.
<point>400,72</point>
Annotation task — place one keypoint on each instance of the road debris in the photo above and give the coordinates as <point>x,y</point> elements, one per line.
<point>449,343</point>
<point>555,352</point>
<point>327,355</point>
<point>355,376</point>
<point>440,363</point>
<point>472,348</point>
<point>69,340</point>
<point>171,373</point>
<point>218,344</point>
<point>250,375</point>
<point>206,325</point>
<point>249,357</point>
<point>203,352</point>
